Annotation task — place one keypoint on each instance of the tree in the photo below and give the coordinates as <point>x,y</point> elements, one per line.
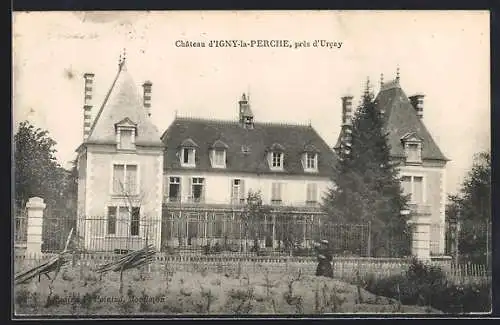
<point>472,208</point>
<point>37,172</point>
<point>367,186</point>
<point>253,217</point>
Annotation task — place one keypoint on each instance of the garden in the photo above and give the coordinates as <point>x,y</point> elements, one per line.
<point>81,291</point>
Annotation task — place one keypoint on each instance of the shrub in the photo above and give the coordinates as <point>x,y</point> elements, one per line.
<point>427,285</point>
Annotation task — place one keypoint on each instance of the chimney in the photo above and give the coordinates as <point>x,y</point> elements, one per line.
<point>245,113</point>
<point>243,103</point>
<point>417,101</point>
<point>147,96</point>
<point>346,109</point>
<point>87,106</point>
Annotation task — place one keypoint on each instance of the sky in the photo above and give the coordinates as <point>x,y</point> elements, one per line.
<point>442,54</point>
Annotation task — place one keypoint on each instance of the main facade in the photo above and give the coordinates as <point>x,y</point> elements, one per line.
<point>136,184</point>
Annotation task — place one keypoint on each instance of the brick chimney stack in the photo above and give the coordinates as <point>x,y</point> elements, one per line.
<point>417,101</point>
<point>147,85</point>
<point>347,109</point>
<point>346,131</point>
<point>87,106</point>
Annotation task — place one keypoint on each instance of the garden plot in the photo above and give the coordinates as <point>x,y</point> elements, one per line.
<point>78,290</point>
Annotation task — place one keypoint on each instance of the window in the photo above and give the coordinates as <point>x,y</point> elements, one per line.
<point>188,157</point>
<point>122,221</point>
<point>277,160</point>
<point>125,131</point>
<point>238,191</point>
<point>219,158</point>
<point>311,160</point>
<point>125,179</point>
<point>126,140</point>
<point>276,193</point>
<point>134,221</point>
<point>111,220</point>
<point>414,185</point>
<point>197,189</point>
<point>249,122</point>
<point>312,194</point>
<point>174,189</point>
<point>413,153</point>
<point>127,220</point>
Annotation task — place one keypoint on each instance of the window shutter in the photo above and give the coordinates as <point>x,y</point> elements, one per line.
<point>280,191</point>
<point>203,187</point>
<point>111,220</point>
<point>166,186</point>
<point>242,190</point>
<point>274,192</point>
<point>315,192</point>
<point>231,190</point>
<point>191,198</point>
<point>418,189</point>
<point>118,178</point>
<point>131,179</point>
<point>192,160</point>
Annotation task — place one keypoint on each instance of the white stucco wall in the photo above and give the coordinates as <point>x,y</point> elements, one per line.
<point>219,185</point>
<point>98,195</point>
<point>434,180</point>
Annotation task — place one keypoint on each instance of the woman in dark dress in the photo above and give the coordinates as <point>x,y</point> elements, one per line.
<point>325,259</point>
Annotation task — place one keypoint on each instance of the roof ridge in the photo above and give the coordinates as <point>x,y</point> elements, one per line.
<point>205,119</point>
<point>94,123</point>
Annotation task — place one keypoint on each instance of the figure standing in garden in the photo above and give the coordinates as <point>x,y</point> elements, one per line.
<point>325,259</point>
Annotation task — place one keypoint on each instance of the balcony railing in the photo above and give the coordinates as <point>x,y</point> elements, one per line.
<point>419,209</point>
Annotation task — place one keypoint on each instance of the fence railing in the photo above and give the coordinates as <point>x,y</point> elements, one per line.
<point>203,232</point>
<point>221,233</point>
<point>345,268</point>
<point>21,228</point>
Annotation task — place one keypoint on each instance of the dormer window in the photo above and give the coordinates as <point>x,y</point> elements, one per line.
<point>277,160</point>
<point>218,154</point>
<point>188,153</point>
<point>310,159</point>
<point>413,148</point>
<point>245,150</point>
<point>248,122</point>
<point>276,157</point>
<point>126,131</point>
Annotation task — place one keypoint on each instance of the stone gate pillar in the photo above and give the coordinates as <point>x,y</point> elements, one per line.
<point>421,237</point>
<point>35,207</point>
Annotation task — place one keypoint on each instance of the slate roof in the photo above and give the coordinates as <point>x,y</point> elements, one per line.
<point>123,101</point>
<point>400,120</point>
<point>293,139</point>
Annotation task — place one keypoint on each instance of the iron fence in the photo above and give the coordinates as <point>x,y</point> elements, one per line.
<point>206,232</point>
<point>21,227</point>
<point>275,233</point>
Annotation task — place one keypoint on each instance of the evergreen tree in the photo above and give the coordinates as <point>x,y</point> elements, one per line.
<point>472,208</point>
<point>367,187</point>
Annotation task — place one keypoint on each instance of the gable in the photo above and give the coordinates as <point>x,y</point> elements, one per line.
<point>411,137</point>
<point>402,121</point>
<point>126,123</point>
<point>123,106</point>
